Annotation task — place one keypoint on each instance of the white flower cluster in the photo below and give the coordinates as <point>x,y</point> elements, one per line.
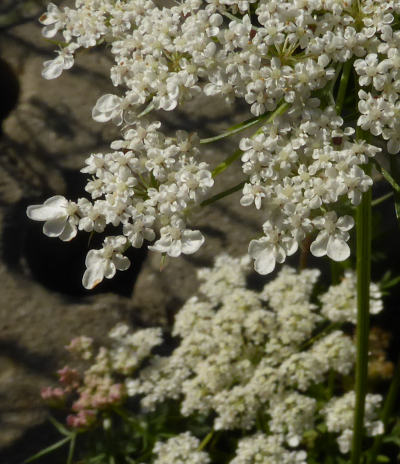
<point>297,164</point>
<point>282,57</point>
<point>339,418</point>
<point>126,353</point>
<point>379,73</point>
<point>181,449</point>
<point>146,186</point>
<point>260,448</point>
<point>339,303</point>
<point>244,353</point>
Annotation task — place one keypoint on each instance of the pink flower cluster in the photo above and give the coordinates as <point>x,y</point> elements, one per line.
<point>86,395</point>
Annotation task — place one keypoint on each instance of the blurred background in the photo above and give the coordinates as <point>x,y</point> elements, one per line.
<point>46,133</point>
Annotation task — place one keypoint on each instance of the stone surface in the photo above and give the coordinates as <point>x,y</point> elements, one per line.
<point>42,304</point>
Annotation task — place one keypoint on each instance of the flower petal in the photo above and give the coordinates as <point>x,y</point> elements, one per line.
<point>52,208</point>
<point>53,68</point>
<point>122,263</point>
<point>69,232</point>
<point>191,241</point>
<point>345,223</point>
<point>175,249</point>
<point>55,227</point>
<point>109,269</point>
<point>337,249</point>
<point>92,277</point>
<point>320,244</point>
<point>264,256</point>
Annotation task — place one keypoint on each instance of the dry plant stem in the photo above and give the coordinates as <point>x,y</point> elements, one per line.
<point>363,231</point>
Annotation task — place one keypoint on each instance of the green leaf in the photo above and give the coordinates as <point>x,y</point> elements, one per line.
<point>71,450</point>
<point>397,205</point>
<point>48,450</point>
<point>60,427</point>
<point>390,283</point>
<point>97,459</point>
<point>392,439</point>
<point>378,201</point>
<point>382,458</point>
<point>387,176</point>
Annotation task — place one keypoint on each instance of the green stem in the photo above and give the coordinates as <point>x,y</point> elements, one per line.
<point>386,413</point>
<point>335,272</point>
<point>71,450</point>
<point>363,233</point>
<point>205,441</point>
<point>236,128</point>
<point>344,80</point>
<point>223,194</point>
<point>381,199</point>
<point>222,166</point>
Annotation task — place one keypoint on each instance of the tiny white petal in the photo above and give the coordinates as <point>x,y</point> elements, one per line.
<point>319,245</point>
<point>192,241</point>
<point>55,227</point>
<point>337,249</point>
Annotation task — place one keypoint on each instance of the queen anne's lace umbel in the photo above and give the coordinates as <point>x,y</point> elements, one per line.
<point>282,57</point>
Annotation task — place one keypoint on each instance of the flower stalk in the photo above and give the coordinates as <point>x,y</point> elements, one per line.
<point>363,237</point>
<point>222,166</point>
<point>390,402</point>
<point>344,80</point>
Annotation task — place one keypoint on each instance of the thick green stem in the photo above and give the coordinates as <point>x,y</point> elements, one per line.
<point>363,229</point>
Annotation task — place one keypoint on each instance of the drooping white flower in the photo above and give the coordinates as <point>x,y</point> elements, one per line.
<point>54,68</point>
<point>332,237</point>
<point>59,215</point>
<point>53,21</point>
<point>105,262</point>
<point>108,107</point>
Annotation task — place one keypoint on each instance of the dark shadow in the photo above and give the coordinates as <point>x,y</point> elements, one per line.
<point>57,265</point>
<point>31,442</point>
<point>45,365</point>
<point>9,91</point>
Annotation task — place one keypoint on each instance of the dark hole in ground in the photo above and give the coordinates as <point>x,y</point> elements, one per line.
<point>9,90</point>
